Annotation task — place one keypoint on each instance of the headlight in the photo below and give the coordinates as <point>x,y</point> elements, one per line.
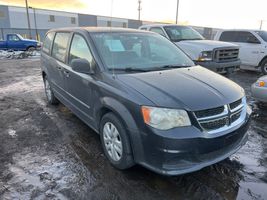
<point>205,56</point>
<point>164,119</point>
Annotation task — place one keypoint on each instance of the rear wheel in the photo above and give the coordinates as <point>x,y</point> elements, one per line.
<point>264,66</point>
<point>49,93</point>
<point>115,142</point>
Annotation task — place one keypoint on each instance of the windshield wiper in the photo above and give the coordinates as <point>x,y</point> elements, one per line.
<point>172,66</point>
<point>129,69</point>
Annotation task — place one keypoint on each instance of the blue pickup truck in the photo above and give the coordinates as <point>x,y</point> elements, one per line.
<point>17,43</point>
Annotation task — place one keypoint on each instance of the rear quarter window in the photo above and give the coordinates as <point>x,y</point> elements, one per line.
<point>48,42</point>
<point>60,46</point>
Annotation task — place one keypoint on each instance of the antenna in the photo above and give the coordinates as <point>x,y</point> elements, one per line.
<point>139,9</point>
<point>111,19</point>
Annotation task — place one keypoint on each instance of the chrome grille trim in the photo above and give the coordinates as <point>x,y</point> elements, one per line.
<point>225,112</point>
<point>232,118</point>
<point>226,54</point>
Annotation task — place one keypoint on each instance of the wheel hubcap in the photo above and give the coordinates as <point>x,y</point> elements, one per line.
<point>112,141</point>
<point>48,90</point>
<point>265,68</point>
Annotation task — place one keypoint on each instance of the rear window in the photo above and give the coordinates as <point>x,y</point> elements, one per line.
<point>48,42</point>
<point>228,36</point>
<point>60,46</point>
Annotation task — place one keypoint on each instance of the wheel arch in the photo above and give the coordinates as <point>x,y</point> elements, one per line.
<point>109,104</point>
<point>262,60</point>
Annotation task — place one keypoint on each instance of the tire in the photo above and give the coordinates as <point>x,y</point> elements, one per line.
<point>31,49</point>
<point>117,148</point>
<point>51,99</point>
<point>263,66</point>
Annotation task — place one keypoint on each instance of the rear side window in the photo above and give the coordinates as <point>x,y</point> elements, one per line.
<point>48,42</point>
<point>60,46</point>
<point>228,36</point>
<point>157,30</point>
<point>80,49</point>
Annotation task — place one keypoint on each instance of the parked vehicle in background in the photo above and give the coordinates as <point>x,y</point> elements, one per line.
<point>148,101</point>
<point>253,47</point>
<point>17,43</point>
<point>221,57</point>
<point>259,89</point>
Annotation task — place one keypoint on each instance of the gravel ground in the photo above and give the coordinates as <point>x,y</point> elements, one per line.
<point>48,153</point>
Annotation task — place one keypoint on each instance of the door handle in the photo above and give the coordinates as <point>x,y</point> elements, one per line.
<point>67,74</point>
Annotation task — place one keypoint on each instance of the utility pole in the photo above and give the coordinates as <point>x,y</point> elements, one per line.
<point>35,23</point>
<point>139,9</point>
<point>177,9</point>
<point>28,19</point>
<point>261,24</point>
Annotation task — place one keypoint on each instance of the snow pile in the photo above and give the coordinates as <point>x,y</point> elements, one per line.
<point>19,54</point>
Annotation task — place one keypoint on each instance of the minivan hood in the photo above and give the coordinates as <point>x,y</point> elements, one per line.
<point>205,45</point>
<point>194,88</point>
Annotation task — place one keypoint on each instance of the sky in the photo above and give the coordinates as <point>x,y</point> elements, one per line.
<point>209,13</point>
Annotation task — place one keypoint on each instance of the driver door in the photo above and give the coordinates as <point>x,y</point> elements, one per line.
<point>79,85</point>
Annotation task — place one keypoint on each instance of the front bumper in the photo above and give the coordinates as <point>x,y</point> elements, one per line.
<point>184,150</point>
<point>221,67</point>
<point>259,93</point>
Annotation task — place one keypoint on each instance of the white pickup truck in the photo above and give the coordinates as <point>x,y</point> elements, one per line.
<point>222,57</point>
<point>253,47</point>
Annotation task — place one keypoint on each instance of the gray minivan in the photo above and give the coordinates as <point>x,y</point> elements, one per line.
<point>148,101</point>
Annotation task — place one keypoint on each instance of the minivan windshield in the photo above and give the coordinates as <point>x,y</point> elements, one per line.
<point>179,33</point>
<point>138,51</point>
<point>262,34</point>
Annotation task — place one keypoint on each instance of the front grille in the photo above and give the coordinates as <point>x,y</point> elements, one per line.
<point>226,55</point>
<point>235,116</point>
<point>209,112</point>
<point>216,124</point>
<point>235,104</point>
<point>216,118</point>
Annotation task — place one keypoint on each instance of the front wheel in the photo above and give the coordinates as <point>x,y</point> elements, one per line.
<point>115,142</point>
<point>264,67</point>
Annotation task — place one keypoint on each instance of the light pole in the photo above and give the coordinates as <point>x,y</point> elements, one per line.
<point>261,24</point>
<point>177,9</point>
<point>35,23</point>
<point>139,9</point>
<point>28,19</point>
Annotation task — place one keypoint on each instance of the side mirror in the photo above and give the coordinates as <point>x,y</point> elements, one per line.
<point>82,66</point>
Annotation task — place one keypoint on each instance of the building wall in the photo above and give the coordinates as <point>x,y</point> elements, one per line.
<point>134,23</point>
<point>4,20</point>
<point>87,20</point>
<point>42,17</point>
<point>14,20</point>
<point>111,22</point>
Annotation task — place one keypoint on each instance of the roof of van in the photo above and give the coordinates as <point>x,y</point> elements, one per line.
<point>98,29</point>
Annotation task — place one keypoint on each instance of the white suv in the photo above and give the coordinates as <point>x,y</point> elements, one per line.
<point>221,57</point>
<point>253,47</point>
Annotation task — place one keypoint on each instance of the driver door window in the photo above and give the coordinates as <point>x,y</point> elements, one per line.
<point>13,38</point>
<point>80,49</point>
